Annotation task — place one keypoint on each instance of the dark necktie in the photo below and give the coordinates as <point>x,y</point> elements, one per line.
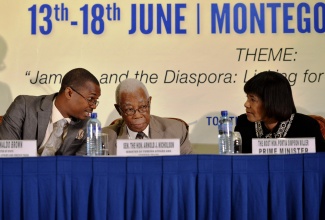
<point>56,138</point>
<point>140,135</point>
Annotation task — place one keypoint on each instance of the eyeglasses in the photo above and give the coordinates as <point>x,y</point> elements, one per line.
<point>90,101</point>
<point>132,111</point>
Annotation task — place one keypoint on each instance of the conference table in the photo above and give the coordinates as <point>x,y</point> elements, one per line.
<point>164,187</point>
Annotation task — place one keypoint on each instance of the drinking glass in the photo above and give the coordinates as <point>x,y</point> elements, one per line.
<point>237,142</point>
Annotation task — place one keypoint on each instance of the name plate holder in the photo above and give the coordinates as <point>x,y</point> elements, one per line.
<point>18,148</point>
<point>147,147</point>
<point>283,145</point>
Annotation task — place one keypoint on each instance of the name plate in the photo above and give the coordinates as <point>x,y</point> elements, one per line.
<point>147,147</point>
<point>283,145</point>
<point>18,148</point>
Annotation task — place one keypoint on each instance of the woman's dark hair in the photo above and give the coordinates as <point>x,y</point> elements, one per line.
<point>77,78</point>
<point>275,92</point>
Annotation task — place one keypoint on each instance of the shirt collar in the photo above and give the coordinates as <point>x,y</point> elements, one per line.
<point>133,134</point>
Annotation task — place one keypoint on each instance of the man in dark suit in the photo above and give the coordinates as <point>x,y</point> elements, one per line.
<point>33,117</point>
<point>133,104</point>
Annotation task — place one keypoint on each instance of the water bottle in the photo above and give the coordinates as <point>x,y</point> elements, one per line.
<point>94,129</point>
<point>237,142</point>
<point>226,145</point>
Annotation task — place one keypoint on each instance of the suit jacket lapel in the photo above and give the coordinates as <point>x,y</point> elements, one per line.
<point>74,132</point>
<point>155,131</point>
<point>123,134</point>
<point>69,138</point>
<point>43,117</point>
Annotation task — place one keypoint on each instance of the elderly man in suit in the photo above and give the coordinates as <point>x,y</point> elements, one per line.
<point>133,104</point>
<point>36,117</point>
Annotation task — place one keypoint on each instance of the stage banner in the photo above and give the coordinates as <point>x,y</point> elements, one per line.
<point>193,56</point>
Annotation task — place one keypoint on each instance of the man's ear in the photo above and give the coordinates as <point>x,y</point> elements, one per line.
<point>118,109</point>
<point>68,93</point>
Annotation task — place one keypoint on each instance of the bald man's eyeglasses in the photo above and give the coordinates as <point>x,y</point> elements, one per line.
<point>90,101</point>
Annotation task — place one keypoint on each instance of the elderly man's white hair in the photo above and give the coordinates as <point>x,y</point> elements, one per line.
<point>129,85</point>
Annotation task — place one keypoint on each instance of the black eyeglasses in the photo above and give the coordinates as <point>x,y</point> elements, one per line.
<point>90,101</point>
<point>132,111</point>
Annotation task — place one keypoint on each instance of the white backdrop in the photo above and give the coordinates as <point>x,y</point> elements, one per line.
<point>213,39</point>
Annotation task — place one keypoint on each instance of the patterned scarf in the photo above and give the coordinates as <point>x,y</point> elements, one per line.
<point>282,130</point>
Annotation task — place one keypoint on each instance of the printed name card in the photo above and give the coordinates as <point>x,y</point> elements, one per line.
<point>283,145</point>
<point>18,148</point>
<point>147,147</point>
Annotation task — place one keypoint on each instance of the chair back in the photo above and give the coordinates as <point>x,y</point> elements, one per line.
<point>321,122</point>
<point>115,121</point>
<point>1,119</point>
<point>181,120</point>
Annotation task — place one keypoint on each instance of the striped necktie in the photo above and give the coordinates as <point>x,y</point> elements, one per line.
<point>140,135</point>
<point>56,138</point>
